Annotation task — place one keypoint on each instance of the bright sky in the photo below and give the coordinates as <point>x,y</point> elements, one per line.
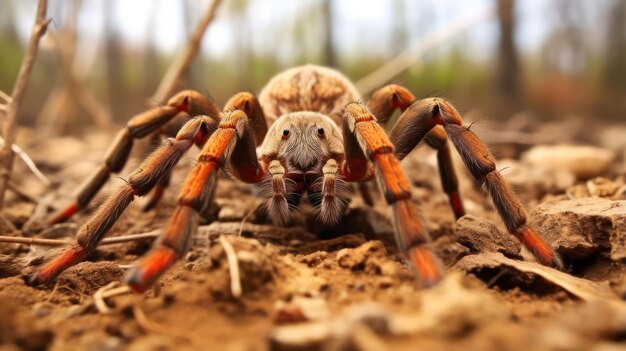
<point>359,24</point>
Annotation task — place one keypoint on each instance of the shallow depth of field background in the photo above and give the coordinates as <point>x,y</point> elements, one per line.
<point>561,59</point>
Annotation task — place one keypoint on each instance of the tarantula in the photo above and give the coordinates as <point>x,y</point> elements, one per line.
<point>313,135</point>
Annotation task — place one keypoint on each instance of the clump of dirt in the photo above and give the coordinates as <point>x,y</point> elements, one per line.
<point>87,277</point>
<point>314,287</point>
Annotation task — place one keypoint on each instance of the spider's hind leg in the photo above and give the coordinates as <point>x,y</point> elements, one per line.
<point>233,141</point>
<point>138,127</point>
<point>160,162</point>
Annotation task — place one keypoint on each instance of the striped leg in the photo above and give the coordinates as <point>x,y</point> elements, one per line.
<point>334,198</point>
<point>422,116</point>
<point>366,140</point>
<point>160,162</point>
<point>384,102</point>
<point>138,127</point>
<point>233,135</point>
<point>437,138</point>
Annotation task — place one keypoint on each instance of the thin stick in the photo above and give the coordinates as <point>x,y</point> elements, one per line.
<point>98,112</point>
<point>109,290</point>
<point>233,266</point>
<point>247,216</point>
<point>60,242</point>
<point>10,124</point>
<point>180,66</point>
<point>5,97</point>
<point>21,193</point>
<point>29,163</point>
<point>418,50</point>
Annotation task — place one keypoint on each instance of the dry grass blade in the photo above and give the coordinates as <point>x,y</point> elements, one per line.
<point>13,108</point>
<point>6,97</point>
<point>233,266</point>
<point>29,163</point>
<point>59,242</point>
<point>107,291</point>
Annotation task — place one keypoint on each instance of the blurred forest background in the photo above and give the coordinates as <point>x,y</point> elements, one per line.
<point>101,61</point>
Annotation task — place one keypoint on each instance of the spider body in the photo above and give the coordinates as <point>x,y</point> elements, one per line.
<point>306,133</point>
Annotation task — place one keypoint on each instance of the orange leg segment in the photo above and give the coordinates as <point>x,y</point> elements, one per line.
<point>417,122</point>
<point>482,166</point>
<point>362,129</point>
<point>193,197</point>
<point>138,127</point>
<point>140,183</point>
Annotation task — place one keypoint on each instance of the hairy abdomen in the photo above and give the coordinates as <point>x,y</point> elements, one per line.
<point>307,88</point>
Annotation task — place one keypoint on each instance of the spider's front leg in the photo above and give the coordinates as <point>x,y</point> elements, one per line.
<point>159,163</point>
<point>365,140</point>
<point>424,115</point>
<point>233,141</point>
<point>138,127</point>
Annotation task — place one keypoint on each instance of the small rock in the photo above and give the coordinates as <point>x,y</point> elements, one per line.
<point>577,228</point>
<point>584,162</point>
<point>482,235</point>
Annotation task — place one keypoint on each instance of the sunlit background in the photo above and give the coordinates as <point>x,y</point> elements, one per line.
<point>558,59</point>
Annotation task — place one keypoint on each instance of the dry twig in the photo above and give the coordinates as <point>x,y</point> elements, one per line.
<point>60,242</point>
<point>29,163</point>
<point>180,66</point>
<point>418,50</point>
<point>233,266</point>
<point>13,108</point>
<point>5,97</point>
<point>109,290</point>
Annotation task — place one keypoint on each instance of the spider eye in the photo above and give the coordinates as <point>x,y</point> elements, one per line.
<point>285,133</point>
<point>320,132</point>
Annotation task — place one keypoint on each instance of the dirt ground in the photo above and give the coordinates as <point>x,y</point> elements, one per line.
<point>308,287</point>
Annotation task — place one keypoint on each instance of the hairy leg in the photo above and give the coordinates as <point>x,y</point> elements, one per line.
<point>277,206</point>
<point>366,140</point>
<point>140,183</point>
<point>438,140</point>
<point>409,130</point>
<point>333,193</point>
<point>422,116</point>
<point>138,127</point>
<point>233,131</point>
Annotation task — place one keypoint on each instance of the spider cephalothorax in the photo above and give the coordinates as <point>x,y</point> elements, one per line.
<point>313,135</point>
